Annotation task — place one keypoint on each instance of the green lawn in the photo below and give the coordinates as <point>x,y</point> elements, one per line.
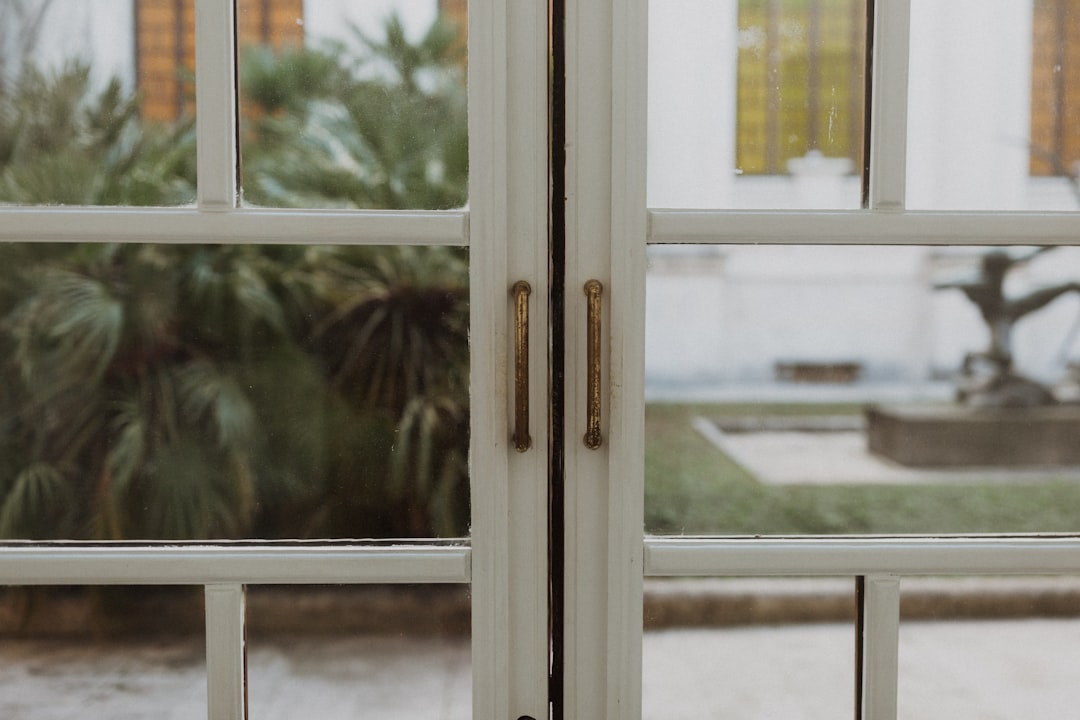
<point>692,488</point>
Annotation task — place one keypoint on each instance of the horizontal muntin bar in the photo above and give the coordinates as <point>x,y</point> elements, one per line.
<point>250,564</point>
<point>190,225</point>
<point>862,227</point>
<point>832,556</point>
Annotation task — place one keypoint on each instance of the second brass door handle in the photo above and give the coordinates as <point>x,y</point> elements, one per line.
<point>594,289</point>
<point>522,440</point>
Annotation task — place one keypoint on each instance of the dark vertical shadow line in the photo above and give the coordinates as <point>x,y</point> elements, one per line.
<point>868,96</point>
<point>238,187</point>
<point>860,637</point>
<point>557,381</point>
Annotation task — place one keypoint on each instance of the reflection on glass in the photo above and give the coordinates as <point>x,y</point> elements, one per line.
<point>825,389</point>
<point>752,649</point>
<point>1021,666</point>
<point>994,105</point>
<point>198,391</point>
<point>353,106</point>
<point>96,103</point>
<point>102,652</point>
<point>344,652</point>
<point>777,124</point>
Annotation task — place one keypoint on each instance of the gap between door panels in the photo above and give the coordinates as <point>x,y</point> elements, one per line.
<point>556,381</point>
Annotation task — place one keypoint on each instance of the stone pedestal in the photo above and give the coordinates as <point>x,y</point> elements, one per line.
<point>952,436</point>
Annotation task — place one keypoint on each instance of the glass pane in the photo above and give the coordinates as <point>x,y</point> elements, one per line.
<point>956,663</point>
<point>202,391</point>
<point>994,105</point>
<point>370,651</point>
<point>97,102</point>
<point>102,652</point>
<point>353,105</point>
<point>748,649</point>
<point>756,103</point>
<point>826,389</point>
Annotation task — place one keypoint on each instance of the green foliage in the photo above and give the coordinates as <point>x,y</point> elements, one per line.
<point>61,144</point>
<point>223,391</point>
<point>383,128</point>
<point>692,488</point>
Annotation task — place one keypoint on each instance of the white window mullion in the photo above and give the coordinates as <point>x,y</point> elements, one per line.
<point>857,227</point>
<point>182,225</point>
<point>881,645</point>
<point>507,225</point>
<point>888,106</point>
<point>215,101</point>
<point>226,655</point>
<point>626,358</point>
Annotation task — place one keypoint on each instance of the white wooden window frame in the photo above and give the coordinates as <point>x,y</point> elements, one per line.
<point>505,228</point>
<point>609,230</point>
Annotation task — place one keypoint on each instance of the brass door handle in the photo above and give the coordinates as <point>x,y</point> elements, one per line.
<point>521,439</point>
<point>593,290</point>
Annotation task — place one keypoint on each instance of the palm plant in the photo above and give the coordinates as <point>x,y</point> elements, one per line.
<point>121,406</point>
<point>397,341</point>
<point>383,128</point>
<point>154,391</point>
<point>60,143</point>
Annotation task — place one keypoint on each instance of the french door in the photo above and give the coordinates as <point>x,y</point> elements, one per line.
<point>502,230</point>
<point>612,52</point>
<point>587,614</point>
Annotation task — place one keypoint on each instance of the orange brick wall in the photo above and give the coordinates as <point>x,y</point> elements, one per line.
<point>1055,85</point>
<point>457,12</point>
<point>165,47</point>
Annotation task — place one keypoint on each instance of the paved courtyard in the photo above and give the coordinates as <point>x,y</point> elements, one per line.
<point>829,457</point>
<point>1016,670</point>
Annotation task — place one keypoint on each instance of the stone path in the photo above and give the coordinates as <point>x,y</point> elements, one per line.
<point>789,457</point>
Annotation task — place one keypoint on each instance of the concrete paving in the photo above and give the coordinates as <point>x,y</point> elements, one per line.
<point>1015,670</point>
<point>794,457</point>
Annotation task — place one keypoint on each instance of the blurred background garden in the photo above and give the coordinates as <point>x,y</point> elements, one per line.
<point>173,391</point>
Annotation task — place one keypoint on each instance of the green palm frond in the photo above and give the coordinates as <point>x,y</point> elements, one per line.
<point>37,504</point>
<point>427,463</point>
<point>211,397</point>
<point>402,331</point>
<point>126,456</point>
<point>189,495</point>
<point>68,331</point>
<point>226,289</point>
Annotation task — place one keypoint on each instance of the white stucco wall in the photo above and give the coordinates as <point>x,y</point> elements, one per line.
<point>332,18</point>
<point>969,113</point>
<point>99,32</point>
<point>730,314</point>
<point>691,132</point>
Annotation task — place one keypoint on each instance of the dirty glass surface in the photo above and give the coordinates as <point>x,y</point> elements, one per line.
<point>354,106</point>
<point>393,651</point>
<point>756,104</point>
<point>179,392</point>
<point>987,647</point>
<point>397,651</point>
<point>994,105</point>
<point>861,389</point>
<point>748,648</point>
<point>97,103</point>
<point>102,652</point>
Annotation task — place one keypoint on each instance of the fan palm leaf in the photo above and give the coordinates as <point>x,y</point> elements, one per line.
<point>37,505</point>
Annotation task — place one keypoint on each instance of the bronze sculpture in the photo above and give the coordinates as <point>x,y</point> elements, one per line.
<point>988,379</point>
